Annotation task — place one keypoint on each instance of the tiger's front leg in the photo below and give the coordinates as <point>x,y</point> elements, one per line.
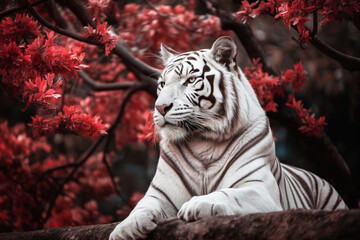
<point>158,203</point>
<point>141,221</point>
<point>230,201</point>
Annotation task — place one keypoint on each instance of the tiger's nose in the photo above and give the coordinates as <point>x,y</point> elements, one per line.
<point>163,109</point>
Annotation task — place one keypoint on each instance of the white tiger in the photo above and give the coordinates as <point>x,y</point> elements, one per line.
<point>217,154</point>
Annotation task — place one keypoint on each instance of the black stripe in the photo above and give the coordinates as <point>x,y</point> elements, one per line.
<point>222,191</point>
<point>317,191</point>
<point>243,150</point>
<point>165,195</point>
<point>292,193</point>
<point>250,173</point>
<point>178,172</point>
<point>298,191</point>
<point>304,185</point>
<point>330,194</point>
<point>235,118</point>
<point>238,203</point>
<point>286,192</point>
<point>338,201</point>
<point>254,180</point>
<point>187,160</point>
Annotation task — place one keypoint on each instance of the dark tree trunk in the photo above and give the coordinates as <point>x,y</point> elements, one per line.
<point>294,224</point>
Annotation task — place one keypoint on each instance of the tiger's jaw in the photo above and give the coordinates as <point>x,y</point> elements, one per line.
<point>172,133</point>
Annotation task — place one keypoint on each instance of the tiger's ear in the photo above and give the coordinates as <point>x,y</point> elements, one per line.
<point>224,51</point>
<point>167,53</point>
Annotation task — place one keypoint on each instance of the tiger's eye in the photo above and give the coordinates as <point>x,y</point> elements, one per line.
<point>190,80</point>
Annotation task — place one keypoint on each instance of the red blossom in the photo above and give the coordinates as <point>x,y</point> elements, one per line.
<point>40,91</point>
<point>70,121</point>
<point>47,56</point>
<point>296,77</point>
<point>265,86</point>
<point>309,124</point>
<point>248,10</point>
<point>101,35</point>
<point>147,131</point>
<point>22,27</point>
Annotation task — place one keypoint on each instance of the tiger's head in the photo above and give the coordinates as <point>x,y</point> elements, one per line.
<point>202,93</point>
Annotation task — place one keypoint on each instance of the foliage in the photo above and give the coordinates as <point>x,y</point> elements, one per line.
<point>42,186</point>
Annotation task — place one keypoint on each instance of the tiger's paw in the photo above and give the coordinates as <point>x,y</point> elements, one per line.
<point>135,226</point>
<point>203,206</point>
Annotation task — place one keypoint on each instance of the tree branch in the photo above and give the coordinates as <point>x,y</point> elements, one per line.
<point>278,225</point>
<point>128,59</point>
<point>80,12</point>
<point>107,86</point>
<point>348,62</point>
<point>57,29</point>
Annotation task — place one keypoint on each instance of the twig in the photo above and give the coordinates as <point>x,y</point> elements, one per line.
<point>315,25</point>
<point>244,34</point>
<point>57,168</point>
<point>128,59</point>
<point>106,86</point>
<point>112,178</point>
<point>56,28</point>
<point>82,160</point>
<point>55,14</point>
<point>80,12</point>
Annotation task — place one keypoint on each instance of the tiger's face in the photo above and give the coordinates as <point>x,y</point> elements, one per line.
<point>191,91</point>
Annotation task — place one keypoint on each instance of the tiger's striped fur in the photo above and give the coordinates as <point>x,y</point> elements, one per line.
<point>217,154</point>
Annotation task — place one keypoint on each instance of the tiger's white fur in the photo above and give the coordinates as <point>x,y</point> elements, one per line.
<point>217,154</point>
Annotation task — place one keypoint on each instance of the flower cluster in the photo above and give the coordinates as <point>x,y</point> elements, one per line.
<point>267,87</point>
<point>70,121</point>
<point>309,124</point>
<point>295,13</point>
<point>23,164</point>
<point>102,35</point>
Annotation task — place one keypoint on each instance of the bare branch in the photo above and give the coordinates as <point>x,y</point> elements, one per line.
<point>57,29</point>
<point>80,12</point>
<point>247,38</point>
<point>79,163</point>
<point>348,62</point>
<point>315,24</point>
<point>128,59</point>
<point>107,86</point>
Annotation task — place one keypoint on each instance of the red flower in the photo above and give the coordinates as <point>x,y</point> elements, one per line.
<point>40,91</point>
<point>102,35</point>
<point>47,56</point>
<point>147,131</point>
<point>296,77</point>
<point>72,121</point>
<point>22,27</point>
<point>309,125</point>
<point>265,86</point>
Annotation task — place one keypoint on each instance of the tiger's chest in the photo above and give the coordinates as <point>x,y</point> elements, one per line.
<point>200,166</point>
